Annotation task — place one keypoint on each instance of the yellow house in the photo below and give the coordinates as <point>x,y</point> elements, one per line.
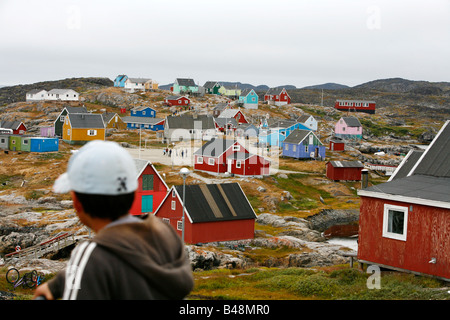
<point>230,90</point>
<point>113,121</point>
<point>83,127</point>
<point>151,85</point>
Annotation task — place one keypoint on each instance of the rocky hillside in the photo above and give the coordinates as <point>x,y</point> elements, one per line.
<point>17,93</point>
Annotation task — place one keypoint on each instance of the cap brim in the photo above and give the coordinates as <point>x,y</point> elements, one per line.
<point>62,184</point>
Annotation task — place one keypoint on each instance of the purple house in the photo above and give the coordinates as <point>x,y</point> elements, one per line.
<point>303,144</point>
<point>47,131</point>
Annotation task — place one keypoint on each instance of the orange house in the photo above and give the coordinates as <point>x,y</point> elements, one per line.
<point>83,127</point>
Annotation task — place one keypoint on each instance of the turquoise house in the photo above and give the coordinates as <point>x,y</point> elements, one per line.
<point>275,133</point>
<point>249,99</point>
<point>120,81</point>
<point>182,85</point>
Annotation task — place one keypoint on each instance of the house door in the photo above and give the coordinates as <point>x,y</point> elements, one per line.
<point>230,165</point>
<point>147,204</point>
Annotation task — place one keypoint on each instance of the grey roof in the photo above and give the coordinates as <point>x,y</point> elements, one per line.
<point>246,92</point>
<point>139,80</point>
<point>216,202</point>
<point>107,116</point>
<point>275,91</point>
<point>141,120</point>
<point>223,121</point>
<point>10,124</point>
<point>60,91</point>
<point>407,164</point>
<point>284,123</point>
<point>214,147</point>
<point>429,178</point>
<point>35,91</point>
<point>86,120</point>
<point>210,84</point>
<point>436,159</point>
<point>240,155</point>
<point>346,164</point>
<point>352,121</point>
<point>188,122</point>
<point>297,136</point>
<point>76,109</point>
<point>221,106</point>
<point>303,118</point>
<point>416,186</point>
<point>228,113</point>
<point>186,82</point>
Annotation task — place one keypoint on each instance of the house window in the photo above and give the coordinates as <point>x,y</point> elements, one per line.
<point>286,147</point>
<point>173,205</point>
<point>61,119</point>
<point>211,161</point>
<point>200,160</point>
<point>25,141</point>
<point>180,225</point>
<point>166,220</point>
<point>147,182</point>
<point>395,221</point>
<point>174,194</point>
<point>238,164</point>
<point>294,147</point>
<point>92,132</point>
<point>236,148</point>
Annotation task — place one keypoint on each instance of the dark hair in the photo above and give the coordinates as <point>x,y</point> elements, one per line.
<point>105,206</point>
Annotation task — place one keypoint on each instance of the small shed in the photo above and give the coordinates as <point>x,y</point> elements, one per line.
<point>344,170</point>
<point>337,144</point>
<point>15,142</point>
<point>44,144</point>
<point>4,141</point>
<point>213,212</point>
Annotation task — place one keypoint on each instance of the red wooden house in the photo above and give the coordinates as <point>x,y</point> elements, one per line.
<point>180,101</point>
<point>337,144</point>
<point>17,127</point>
<point>404,223</point>
<point>213,212</point>
<point>355,106</point>
<point>151,189</point>
<point>344,170</point>
<point>277,96</point>
<point>219,156</point>
<point>233,113</point>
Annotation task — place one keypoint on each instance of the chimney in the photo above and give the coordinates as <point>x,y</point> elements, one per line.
<point>364,178</point>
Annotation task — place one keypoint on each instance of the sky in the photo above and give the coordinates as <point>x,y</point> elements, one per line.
<point>282,42</point>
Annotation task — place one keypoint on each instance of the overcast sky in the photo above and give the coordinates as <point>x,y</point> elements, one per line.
<point>297,42</point>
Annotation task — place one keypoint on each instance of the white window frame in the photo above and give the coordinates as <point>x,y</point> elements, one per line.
<point>392,235</point>
<point>91,132</point>
<point>238,164</point>
<point>166,220</point>
<point>199,160</point>
<point>211,161</point>
<point>180,225</point>
<point>236,147</point>
<point>173,205</point>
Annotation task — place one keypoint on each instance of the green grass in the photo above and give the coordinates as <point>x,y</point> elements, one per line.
<point>338,283</point>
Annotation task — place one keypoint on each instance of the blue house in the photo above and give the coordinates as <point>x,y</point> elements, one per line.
<point>249,99</point>
<point>44,144</point>
<point>303,144</point>
<point>275,132</point>
<point>147,123</point>
<point>120,81</point>
<point>146,112</point>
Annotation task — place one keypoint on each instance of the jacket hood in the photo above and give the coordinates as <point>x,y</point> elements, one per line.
<point>155,250</point>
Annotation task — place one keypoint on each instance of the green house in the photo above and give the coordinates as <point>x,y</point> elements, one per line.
<point>212,87</point>
<point>15,142</point>
<point>25,143</point>
<point>182,85</point>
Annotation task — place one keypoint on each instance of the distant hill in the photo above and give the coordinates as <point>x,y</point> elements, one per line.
<point>328,86</point>
<point>17,93</point>
<point>400,85</point>
<point>239,85</point>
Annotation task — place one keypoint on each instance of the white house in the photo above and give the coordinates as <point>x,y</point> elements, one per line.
<point>63,95</point>
<point>138,84</point>
<point>36,95</point>
<point>308,121</point>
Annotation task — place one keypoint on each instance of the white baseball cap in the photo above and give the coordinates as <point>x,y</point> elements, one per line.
<point>99,167</point>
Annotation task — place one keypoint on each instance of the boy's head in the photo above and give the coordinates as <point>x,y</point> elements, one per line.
<point>103,176</point>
